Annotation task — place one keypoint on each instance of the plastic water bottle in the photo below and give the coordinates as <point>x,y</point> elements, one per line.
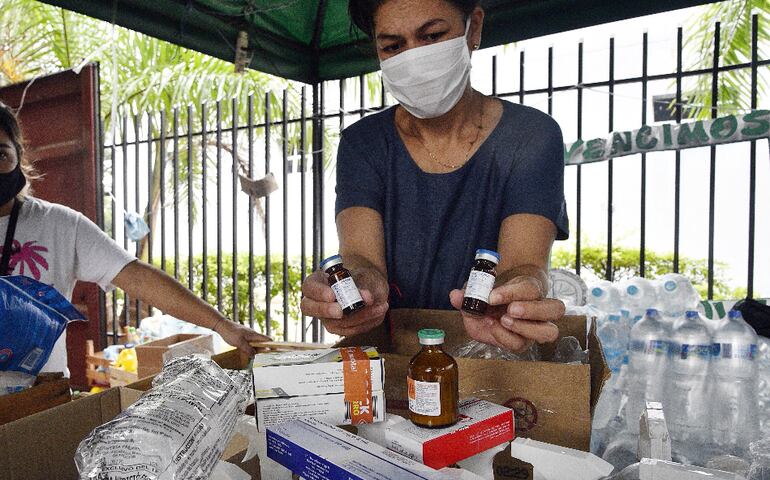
<point>614,338</point>
<point>734,367</point>
<point>609,418</point>
<point>676,295</point>
<point>688,399</point>
<point>604,296</point>
<point>647,362</point>
<point>637,295</point>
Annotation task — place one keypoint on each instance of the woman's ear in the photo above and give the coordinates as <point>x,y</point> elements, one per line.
<point>477,24</point>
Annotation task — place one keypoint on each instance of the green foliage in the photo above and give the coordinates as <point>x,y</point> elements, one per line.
<point>734,88</point>
<point>241,309</point>
<point>625,264</point>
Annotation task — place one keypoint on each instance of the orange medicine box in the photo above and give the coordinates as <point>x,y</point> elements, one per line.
<point>336,385</point>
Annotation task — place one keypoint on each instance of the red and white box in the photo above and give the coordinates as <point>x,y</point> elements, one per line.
<point>482,425</point>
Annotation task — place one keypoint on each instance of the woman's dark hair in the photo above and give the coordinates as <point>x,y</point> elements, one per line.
<point>362,12</point>
<point>9,124</point>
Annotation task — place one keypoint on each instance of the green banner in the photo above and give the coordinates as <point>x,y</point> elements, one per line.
<point>676,136</point>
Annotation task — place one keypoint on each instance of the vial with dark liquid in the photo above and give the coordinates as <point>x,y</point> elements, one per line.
<point>432,383</point>
<point>480,282</point>
<point>343,285</point>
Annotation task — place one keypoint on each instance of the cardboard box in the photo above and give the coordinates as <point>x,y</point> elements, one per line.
<point>551,402</point>
<point>331,408</point>
<point>151,356</point>
<point>121,378</point>
<point>314,372</point>
<point>482,425</point>
<point>318,451</point>
<point>50,390</point>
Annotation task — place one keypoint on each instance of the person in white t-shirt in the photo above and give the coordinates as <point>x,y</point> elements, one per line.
<point>58,246</point>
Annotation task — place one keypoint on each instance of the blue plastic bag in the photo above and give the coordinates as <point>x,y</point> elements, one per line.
<point>32,317</point>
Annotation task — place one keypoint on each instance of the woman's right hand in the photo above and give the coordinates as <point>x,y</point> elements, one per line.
<point>318,300</point>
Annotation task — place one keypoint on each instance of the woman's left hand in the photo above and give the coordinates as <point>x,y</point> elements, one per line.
<point>239,336</point>
<point>518,315</point>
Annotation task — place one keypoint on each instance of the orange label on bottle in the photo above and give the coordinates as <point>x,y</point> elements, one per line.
<point>357,379</point>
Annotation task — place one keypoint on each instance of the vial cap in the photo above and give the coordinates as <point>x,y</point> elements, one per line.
<point>431,336</point>
<point>492,256</point>
<point>330,262</point>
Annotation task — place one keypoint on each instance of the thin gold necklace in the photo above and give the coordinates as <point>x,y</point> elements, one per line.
<point>433,156</point>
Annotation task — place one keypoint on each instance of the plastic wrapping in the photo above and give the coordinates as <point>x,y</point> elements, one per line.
<point>651,469</point>
<point>12,382</point>
<point>474,349</point>
<point>568,351</point>
<point>178,430</point>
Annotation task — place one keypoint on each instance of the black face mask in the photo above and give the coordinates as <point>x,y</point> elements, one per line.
<point>11,184</point>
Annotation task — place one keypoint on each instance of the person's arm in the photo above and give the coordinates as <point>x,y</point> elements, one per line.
<point>362,247</point>
<point>154,287</point>
<point>519,313</point>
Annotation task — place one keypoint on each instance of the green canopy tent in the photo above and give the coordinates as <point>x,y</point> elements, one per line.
<point>313,40</point>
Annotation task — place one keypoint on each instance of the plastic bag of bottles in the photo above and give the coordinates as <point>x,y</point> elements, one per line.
<point>178,430</point>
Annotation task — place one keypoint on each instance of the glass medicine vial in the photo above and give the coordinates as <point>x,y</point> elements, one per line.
<point>343,285</point>
<point>480,282</point>
<point>432,383</point>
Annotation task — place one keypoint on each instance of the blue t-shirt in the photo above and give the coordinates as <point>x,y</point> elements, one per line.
<point>434,222</point>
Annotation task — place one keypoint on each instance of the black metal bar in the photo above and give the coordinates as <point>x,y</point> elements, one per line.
<point>713,164</point>
<point>113,225</point>
<point>610,173</point>
<point>268,266</point>
<point>250,131</point>
<point>219,203</point>
<point>579,200</point>
<point>204,205</point>
<point>303,203</point>
<point>643,194</point>
<point>342,105</point>
<point>285,152</point>
<point>150,200</point>
<point>753,157</point>
<point>236,159</point>
<point>163,154</point>
<point>494,75</point>
<point>321,194</point>
<point>124,164</point>
<point>550,80</point>
<point>137,205</point>
<point>361,95</point>
<point>175,168</point>
<point>317,199</point>
<point>190,197</point>
<point>678,154</point>
<point>521,78</point>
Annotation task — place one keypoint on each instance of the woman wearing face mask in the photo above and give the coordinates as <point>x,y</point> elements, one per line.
<point>58,246</point>
<point>422,185</point>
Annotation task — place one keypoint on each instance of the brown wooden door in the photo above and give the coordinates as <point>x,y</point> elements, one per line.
<point>60,121</point>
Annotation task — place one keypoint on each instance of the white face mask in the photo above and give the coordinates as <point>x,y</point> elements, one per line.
<point>428,81</point>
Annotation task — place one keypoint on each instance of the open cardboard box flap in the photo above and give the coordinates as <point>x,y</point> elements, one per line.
<point>552,402</point>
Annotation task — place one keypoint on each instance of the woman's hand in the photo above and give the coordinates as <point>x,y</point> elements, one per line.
<point>239,336</point>
<point>318,300</point>
<point>518,315</point>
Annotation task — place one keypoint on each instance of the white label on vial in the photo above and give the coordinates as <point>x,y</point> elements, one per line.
<point>424,397</point>
<point>479,285</point>
<point>346,292</point>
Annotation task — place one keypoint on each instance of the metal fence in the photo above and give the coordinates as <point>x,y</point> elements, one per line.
<point>160,164</point>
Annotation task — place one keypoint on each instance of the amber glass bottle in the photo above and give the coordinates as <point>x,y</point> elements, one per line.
<point>480,282</point>
<point>342,283</point>
<point>433,383</point>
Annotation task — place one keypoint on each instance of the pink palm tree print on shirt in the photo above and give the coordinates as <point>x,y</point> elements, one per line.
<point>27,257</point>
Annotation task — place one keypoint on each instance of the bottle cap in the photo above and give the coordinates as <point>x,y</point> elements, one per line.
<point>632,289</point>
<point>651,312</point>
<point>733,314</point>
<point>691,314</point>
<point>431,336</point>
<point>597,292</point>
<point>614,318</point>
<point>669,286</point>
<point>330,262</point>
<point>492,256</point>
